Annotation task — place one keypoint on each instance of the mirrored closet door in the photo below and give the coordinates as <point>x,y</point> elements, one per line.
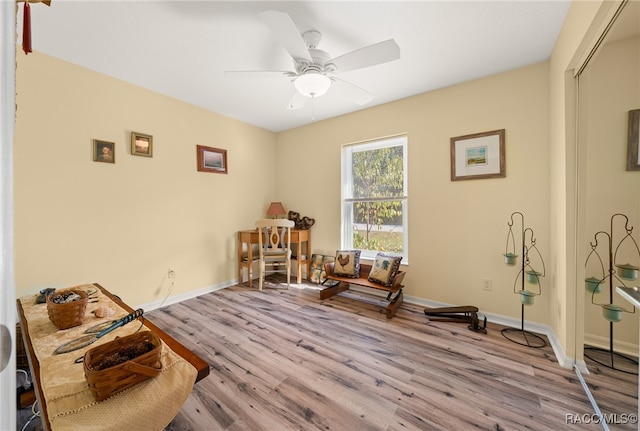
<point>609,217</point>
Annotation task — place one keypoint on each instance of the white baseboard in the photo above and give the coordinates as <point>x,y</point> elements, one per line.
<point>619,346</point>
<point>582,367</point>
<point>184,296</point>
<point>562,358</point>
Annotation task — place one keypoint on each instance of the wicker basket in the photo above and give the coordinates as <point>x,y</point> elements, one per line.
<point>104,382</point>
<point>70,314</point>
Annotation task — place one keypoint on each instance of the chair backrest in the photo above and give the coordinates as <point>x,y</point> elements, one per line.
<point>277,234</point>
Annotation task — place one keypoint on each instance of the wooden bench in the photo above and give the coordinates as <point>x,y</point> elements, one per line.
<point>394,295</point>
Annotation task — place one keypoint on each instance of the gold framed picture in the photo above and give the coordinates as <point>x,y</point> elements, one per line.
<point>104,151</point>
<point>633,155</point>
<point>141,144</point>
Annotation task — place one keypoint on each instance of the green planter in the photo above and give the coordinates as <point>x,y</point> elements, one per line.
<point>532,277</point>
<point>628,271</point>
<point>527,297</point>
<point>592,285</point>
<point>612,313</point>
<point>510,259</point>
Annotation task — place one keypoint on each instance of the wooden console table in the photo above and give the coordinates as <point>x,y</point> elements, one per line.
<point>250,237</point>
<point>30,332</point>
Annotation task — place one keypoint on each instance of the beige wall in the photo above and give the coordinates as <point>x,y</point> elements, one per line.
<point>457,230</point>
<point>125,224</point>
<point>562,168</point>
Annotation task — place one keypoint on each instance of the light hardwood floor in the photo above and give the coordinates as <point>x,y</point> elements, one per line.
<point>285,360</point>
<point>616,392</point>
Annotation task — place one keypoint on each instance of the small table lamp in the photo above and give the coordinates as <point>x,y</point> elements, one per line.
<point>276,209</point>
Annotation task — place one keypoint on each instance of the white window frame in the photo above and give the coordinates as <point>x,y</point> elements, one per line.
<point>347,200</point>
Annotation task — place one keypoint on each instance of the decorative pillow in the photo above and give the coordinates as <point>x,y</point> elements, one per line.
<point>347,263</point>
<point>384,268</point>
<point>318,274</point>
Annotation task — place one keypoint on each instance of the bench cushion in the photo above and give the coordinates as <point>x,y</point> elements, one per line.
<point>384,268</point>
<point>347,263</point>
<point>362,280</point>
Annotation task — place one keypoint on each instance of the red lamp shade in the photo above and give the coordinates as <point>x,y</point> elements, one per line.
<point>276,209</point>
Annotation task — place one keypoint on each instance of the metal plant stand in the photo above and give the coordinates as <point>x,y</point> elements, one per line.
<point>529,250</point>
<point>608,357</point>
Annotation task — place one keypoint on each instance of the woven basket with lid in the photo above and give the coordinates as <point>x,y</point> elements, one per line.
<point>69,314</point>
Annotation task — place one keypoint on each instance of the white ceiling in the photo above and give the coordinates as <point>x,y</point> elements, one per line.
<point>181,48</point>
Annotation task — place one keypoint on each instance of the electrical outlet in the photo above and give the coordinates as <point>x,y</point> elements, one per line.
<point>487,284</point>
<point>171,273</point>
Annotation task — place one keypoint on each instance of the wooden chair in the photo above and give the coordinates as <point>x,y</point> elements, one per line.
<point>274,241</point>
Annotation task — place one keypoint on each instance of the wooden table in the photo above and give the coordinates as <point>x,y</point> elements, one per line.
<point>198,363</point>
<point>250,237</point>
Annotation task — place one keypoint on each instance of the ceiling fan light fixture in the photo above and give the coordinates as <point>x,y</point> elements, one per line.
<point>312,84</point>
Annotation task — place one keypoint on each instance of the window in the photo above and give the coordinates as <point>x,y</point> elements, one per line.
<point>374,197</point>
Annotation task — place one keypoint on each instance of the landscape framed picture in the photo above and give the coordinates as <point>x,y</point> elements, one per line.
<point>476,156</point>
<point>633,155</point>
<point>104,151</point>
<point>141,144</point>
<point>212,159</point>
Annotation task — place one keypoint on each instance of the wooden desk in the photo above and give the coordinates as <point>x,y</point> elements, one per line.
<point>250,237</point>
<point>198,363</point>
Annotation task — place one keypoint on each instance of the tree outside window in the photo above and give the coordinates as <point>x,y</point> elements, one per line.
<point>374,197</point>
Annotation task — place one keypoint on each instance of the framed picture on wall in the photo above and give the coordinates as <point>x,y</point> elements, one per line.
<point>480,155</point>
<point>141,144</point>
<point>212,159</point>
<point>104,151</point>
<point>633,155</point>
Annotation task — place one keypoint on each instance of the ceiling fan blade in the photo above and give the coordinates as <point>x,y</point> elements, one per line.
<point>258,73</point>
<point>297,101</point>
<point>351,91</point>
<point>287,33</point>
<point>378,53</point>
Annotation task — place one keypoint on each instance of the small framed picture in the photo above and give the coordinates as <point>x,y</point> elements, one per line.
<point>141,144</point>
<point>480,155</point>
<point>104,151</point>
<point>212,159</point>
<point>633,155</point>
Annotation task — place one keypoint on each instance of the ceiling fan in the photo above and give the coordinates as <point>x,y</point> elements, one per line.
<point>314,68</point>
